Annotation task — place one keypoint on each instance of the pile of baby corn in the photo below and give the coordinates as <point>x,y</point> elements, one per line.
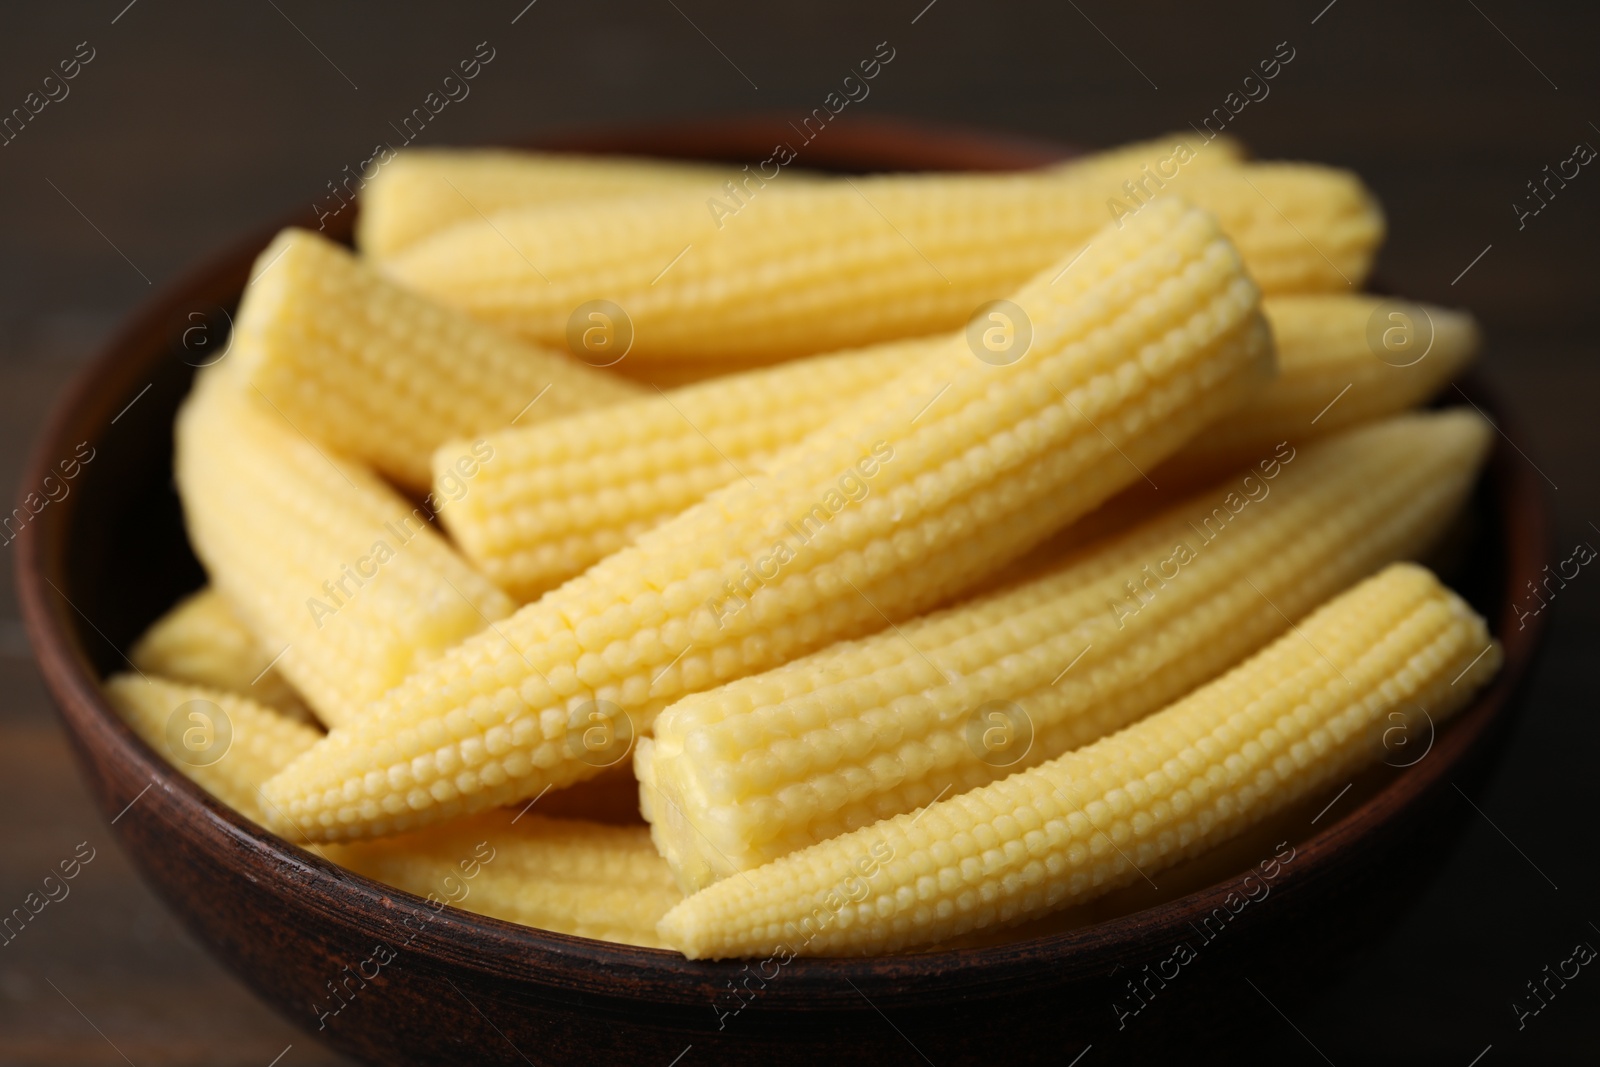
<point>918,555</point>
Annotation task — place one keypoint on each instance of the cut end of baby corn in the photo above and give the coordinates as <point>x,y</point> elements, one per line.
<point>567,875</point>
<point>383,375</point>
<point>342,580</point>
<point>422,191</point>
<point>797,269</point>
<point>227,744</point>
<point>1306,711</point>
<point>560,496</point>
<point>739,775</point>
<point>201,640</point>
<point>905,500</point>
<point>1301,228</point>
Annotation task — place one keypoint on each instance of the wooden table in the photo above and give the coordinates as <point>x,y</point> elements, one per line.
<point>190,123</point>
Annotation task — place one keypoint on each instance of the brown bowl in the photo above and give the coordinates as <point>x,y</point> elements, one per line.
<point>94,568</point>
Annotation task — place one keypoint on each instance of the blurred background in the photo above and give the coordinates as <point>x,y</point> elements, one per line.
<point>191,124</point>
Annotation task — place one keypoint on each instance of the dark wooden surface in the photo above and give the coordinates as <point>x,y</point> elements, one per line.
<point>193,124</point>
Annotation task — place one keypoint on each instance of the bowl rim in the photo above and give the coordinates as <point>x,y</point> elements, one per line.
<point>505,950</point>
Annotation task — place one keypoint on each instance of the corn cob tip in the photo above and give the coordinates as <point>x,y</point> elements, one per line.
<point>226,743</point>
<point>383,375</point>
<point>568,875</point>
<point>202,641</point>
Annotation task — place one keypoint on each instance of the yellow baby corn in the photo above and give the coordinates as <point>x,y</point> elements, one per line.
<point>677,373</point>
<point>422,191</point>
<point>228,744</point>
<point>383,375</point>
<point>201,641</point>
<point>344,582</point>
<point>1329,378</point>
<point>943,476</point>
<point>566,875</point>
<point>1333,372</point>
<point>818,267</point>
<point>1137,168</point>
<point>1301,715</point>
<point>743,774</point>
<point>1301,228</point>
<point>559,496</point>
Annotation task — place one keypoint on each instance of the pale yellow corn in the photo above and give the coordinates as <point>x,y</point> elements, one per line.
<point>1305,713</point>
<point>740,775</point>
<point>566,875</point>
<point>813,268</point>
<point>1333,372</point>
<point>560,496</point>
<point>202,641</point>
<point>344,582</point>
<point>677,373</point>
<point>943,476</point>
<point>228,744</point>
<point>383,375</point>
<point>1329,378</point>
<point>1125,166</point>
<point>1301,228</point>
<point>422,191</point>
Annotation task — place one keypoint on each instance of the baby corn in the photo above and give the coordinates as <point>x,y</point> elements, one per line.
<point>1301,228</point>
<point>344,582</point>
<point>423,191</point>
<point>383,375</point>
<point>228,744</point>
<point>1330,376</point>
<point>942,477</point>
<point>202,641</point>
<point>1332,373</point>
<point>420,191</point>
<point>740,775</point>
<point>560,496</point>
<point>566,875</point>
<point>1299,716</point>
<point>832,264</point>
